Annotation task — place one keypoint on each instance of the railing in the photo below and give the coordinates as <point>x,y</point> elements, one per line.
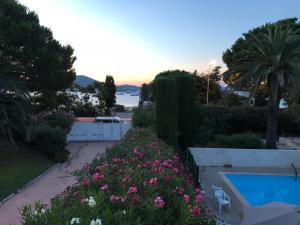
<point>193,166</point>
<point>295,170</point>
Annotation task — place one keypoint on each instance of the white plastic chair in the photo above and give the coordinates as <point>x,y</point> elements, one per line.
<point>223,200</point>
<point>218,191</point>
<point>219,222</point>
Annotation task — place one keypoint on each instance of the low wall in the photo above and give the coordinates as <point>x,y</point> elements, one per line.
<point>246,157</point>
<point>93,131</point>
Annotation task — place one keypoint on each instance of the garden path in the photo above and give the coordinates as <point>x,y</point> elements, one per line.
<point>52,183</point>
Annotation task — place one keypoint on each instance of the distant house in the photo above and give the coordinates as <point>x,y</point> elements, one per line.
<point>246,94</point>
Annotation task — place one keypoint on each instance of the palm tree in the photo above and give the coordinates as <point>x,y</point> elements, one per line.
<point>271,58</point>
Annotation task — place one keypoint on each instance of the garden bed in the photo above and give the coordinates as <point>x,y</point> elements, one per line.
<point>140,181</point>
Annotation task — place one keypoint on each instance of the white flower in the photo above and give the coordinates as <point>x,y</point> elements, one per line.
<point>38,213</point>
<point>75,221</point>
<point>96,222</point>
<point>124,212</point>
<point>91,202</point>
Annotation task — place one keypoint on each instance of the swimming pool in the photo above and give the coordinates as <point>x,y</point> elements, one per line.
<point>256,189</point>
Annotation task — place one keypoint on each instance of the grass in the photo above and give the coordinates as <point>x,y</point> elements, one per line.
<point>18,167</point>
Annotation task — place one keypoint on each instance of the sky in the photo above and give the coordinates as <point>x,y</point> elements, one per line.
<point>133,40</point>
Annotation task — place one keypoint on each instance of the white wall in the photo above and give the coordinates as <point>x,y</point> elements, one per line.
<point>246,157</point>
<point>92,131</point>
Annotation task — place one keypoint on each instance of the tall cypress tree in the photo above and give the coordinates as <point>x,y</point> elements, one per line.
<point>186,110</point>
<point>166,109</point>
<point>186,97</point>
<point>109,93</point>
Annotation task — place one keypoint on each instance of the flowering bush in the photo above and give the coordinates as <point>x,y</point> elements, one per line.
<point>140,181</point>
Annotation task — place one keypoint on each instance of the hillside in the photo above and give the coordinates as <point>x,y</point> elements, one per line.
<point>84,81</point>
<point>128,88</point>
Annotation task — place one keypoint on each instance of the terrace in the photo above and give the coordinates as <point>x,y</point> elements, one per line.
<point>214,163</point>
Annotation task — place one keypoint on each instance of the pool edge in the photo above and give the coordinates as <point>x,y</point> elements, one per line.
<point>235,191</point>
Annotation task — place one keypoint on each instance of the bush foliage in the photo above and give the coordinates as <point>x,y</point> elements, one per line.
<point>51,141</point>
<point>59,119</point>
<point>215,119</point>
<point>140,181</point>
<point>245,140</point>
<point>144,117</point>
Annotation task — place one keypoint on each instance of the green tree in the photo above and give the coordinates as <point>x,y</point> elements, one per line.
<point>145,92</point>
<point>14,108</point>
<point>214,94</point>
<point>186,110</point>
<point>186,104</point>
<point>109,93</point>
<point>166,109</point>
<point>29,52</point>
<point>271,56</point>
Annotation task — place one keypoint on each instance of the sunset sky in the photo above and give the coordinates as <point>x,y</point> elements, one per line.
<point>133,40</point>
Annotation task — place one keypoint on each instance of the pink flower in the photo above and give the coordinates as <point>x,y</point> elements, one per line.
<point>199,198</point>
<point>186,198</point>
<point>136,150</point>
<point>159,202</point>
<point>156,162</point>
<point>85,182</point>
<point>97,177</point>
<point>167,178</point>
<point>197,190</point>
<point>181,191</point>
<point>153,181</point>
<point>114,198</point>
<point>104,188</point>
<point>175,170</point>
<point>132,189</point>
<point>196,211</point>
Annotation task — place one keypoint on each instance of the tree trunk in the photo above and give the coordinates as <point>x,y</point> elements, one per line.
<point>272,125</point>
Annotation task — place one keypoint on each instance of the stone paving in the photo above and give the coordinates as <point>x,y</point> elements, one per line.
<point>52,183</point>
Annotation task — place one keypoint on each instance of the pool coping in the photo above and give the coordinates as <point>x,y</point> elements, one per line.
<point>236,192</point>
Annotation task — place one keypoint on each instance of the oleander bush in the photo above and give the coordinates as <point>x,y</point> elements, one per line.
<point>141,181</point>
<point>245,140</point>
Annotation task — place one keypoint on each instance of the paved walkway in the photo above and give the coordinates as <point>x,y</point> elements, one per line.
<point>53,182</point>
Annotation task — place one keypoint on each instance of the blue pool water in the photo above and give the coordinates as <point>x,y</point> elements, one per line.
<point>263,189</point>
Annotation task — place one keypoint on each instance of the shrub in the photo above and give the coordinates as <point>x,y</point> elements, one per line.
<point>144,117</point>
<point>244,140</point>
<point>139,181</point>
<point>50,141</point>
<point>166,109</point>
<point>59,119</point>
<point>119,108</point>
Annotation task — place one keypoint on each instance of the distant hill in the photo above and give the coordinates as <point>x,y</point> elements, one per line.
<point>128,88</point>
<point>84,81</point>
